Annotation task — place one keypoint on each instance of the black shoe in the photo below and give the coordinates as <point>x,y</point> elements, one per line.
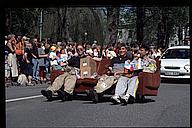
<point>94,96</point>
<point>61,95</point>
<point>115,100</point>
<point>47,94</point>
<point>130,100</point>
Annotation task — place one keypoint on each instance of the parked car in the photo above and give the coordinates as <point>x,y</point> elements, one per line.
<point>175,62</point>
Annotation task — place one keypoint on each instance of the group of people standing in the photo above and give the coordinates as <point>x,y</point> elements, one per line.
<point>25,56</point>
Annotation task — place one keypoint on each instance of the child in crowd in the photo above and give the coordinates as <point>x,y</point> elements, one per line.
<point>63,55</point>
<point>53,57</point>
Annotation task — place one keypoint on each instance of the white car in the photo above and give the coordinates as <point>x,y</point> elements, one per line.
<point>175,62</point>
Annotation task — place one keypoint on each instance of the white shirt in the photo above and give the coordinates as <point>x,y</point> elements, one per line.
<point>51,56</point>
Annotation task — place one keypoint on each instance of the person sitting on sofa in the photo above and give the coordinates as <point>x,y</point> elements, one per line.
<point>64,84</point>
<point>106,81</point>
<point>126,87</point>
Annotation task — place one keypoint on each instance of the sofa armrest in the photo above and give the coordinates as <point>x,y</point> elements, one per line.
<point>148,83</point>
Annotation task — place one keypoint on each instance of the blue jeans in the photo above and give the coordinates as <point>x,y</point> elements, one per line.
<point>35,68</point>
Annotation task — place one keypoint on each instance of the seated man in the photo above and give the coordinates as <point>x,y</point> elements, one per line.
<point>125,91</point>
<point>106,80</point>
<point>64,84</point>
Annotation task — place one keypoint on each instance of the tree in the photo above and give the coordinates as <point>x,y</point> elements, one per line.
<point>112,24</point>
<point>21,20</point>
<point>140,24</point>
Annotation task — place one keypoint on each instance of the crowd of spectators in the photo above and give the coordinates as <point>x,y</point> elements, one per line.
<point>36,58</point>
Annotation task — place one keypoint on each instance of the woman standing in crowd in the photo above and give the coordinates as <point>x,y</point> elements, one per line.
<point>12,59</point>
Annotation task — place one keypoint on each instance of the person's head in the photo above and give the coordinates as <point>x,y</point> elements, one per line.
<point>80,49</point>
<point>39,45</point>
<point>95,52</point>
<point>19,37</point>
<point>53,48</point>
<point>62,51</point>
<point>122,49</point>
<point>144,50</point>
<point>35,42</point>
<point>136,54</point>
<point>30,46</point>
<point>12,39</point>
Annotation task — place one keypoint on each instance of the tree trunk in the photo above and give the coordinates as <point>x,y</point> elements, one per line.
<point>140,19</point>
<point>112,24</point>
<point>163,35</point>
<point>61,31</point>
<point>7,21</point>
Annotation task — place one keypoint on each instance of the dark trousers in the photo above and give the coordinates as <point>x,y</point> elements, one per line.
<point>42,72</point>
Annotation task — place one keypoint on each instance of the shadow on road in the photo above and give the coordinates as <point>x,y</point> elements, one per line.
<point>176,81</point>
<point>104,99</point>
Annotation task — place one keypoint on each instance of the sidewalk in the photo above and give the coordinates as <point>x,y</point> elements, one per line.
<point>8,82</point>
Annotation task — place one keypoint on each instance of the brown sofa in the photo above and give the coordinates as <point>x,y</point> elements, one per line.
<point>148,82</point>
<point>85,83</point>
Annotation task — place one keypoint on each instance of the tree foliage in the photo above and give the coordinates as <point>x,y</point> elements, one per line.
<point>101,23</point>
<point>21,20</point>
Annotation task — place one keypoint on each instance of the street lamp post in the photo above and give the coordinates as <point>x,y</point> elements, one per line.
<point>85,36</point>
<point>41,24</point>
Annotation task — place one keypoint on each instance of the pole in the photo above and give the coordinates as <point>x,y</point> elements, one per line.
<point>41,24</point>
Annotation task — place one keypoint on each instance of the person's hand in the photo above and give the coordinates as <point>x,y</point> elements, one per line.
<point>28,61</point>
<point>116,74</point>
<point>129,61</point>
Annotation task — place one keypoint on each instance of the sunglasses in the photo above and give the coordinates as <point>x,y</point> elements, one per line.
<point>79,49</point>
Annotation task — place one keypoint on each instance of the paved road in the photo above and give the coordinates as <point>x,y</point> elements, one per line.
<point>170,108</point>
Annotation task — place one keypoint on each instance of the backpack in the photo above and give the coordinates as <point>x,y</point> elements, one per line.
<point>22,79</point>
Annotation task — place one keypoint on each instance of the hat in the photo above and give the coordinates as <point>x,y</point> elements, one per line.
<point>53,48</point>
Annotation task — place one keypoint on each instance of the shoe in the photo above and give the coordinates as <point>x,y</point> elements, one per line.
<point>115,99</point>
<point>127,100</point>
<point>124,100</point>
<point>35,80</point>
<point>14,84</point>
<point>94,96</point>
<point>61,95</point>
<point>30,84</point>
<point>47,94</point>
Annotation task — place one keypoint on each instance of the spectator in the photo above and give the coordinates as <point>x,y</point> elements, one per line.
<point>35,60</point>
<point>63,55</point>
<point>12,59</point>
<point>42,61</point>
<point>47,62</point>
<point>95,51</point>
<point>28,65</point>
<point>53,57</point>
<point>129,53</point>
<point>110,53</point>
<point>20,52</point>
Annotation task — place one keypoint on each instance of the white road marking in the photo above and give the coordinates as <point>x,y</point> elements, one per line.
<point>23,98</point>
